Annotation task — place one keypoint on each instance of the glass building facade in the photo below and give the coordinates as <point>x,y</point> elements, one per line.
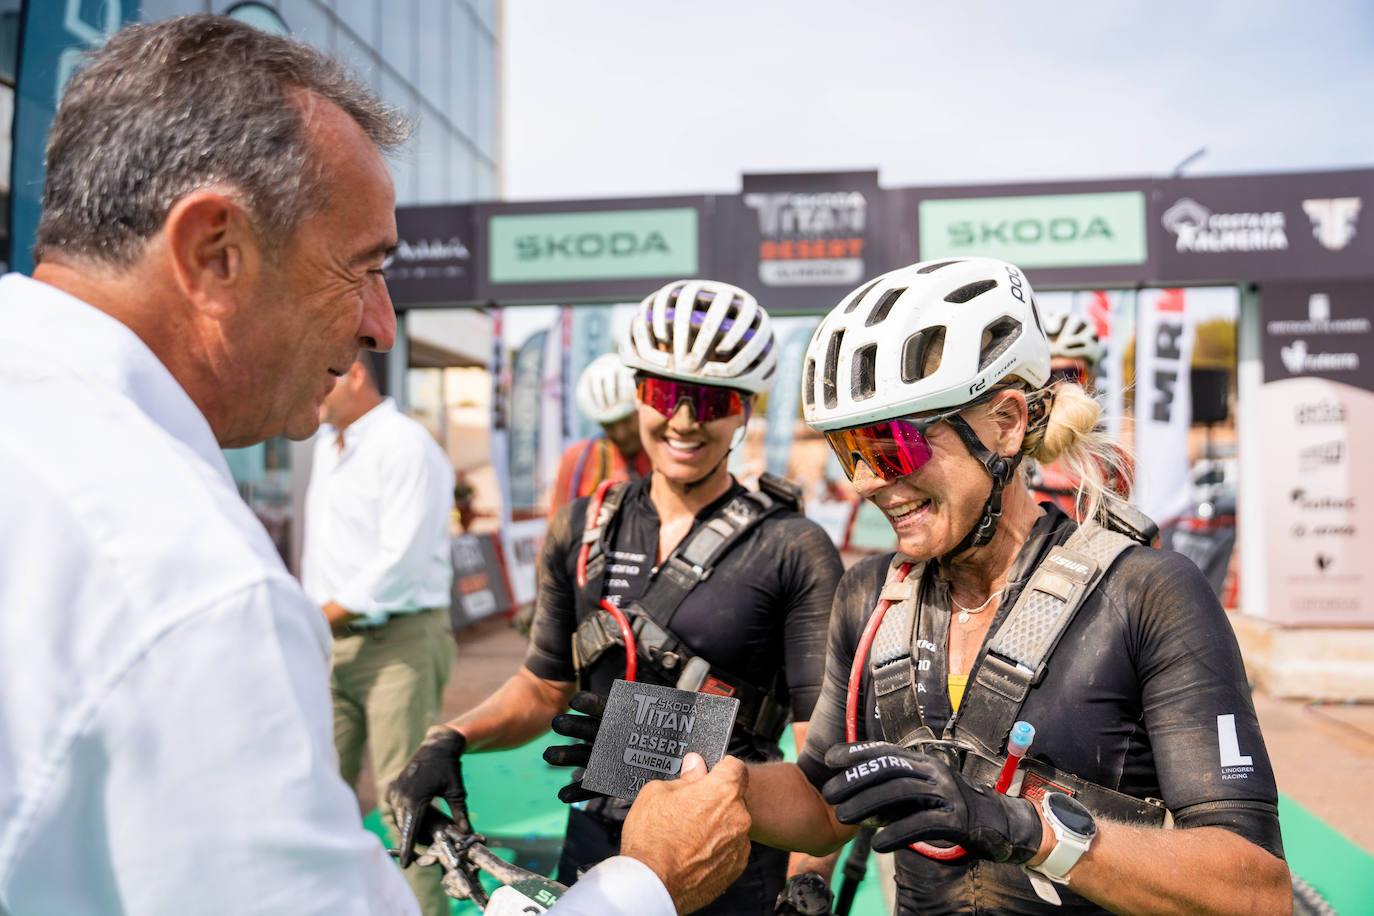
<point>436,60</point>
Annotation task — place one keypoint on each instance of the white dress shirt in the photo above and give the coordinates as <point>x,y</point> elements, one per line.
<point>166,733</point>
<point>377,518</point>
<point>166,730</point>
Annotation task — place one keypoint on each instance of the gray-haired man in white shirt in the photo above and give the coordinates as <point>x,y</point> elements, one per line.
<point>216,216</point>
<point>376,559</point>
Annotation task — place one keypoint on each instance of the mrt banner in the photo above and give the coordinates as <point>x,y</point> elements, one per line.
<point>1163,409</point>
<point>1318,394</point>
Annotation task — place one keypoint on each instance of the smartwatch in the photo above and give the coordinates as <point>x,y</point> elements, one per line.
<point>1074,829</point>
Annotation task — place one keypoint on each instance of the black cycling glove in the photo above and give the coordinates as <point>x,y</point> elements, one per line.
<point>584,728</point>
<point>434,772</point>
<point>920,797</point>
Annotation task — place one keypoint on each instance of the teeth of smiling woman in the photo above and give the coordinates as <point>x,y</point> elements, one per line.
<point>902,509</point>
<point>683,446</point>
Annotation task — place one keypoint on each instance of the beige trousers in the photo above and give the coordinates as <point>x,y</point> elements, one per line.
<point>387,685</point>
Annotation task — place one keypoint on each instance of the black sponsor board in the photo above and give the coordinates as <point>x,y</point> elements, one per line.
<point>433,261</point>
<point>800,242</point>
<point>1260,227</point>
<point>479,588</point>
<point>1322,330</point>
<point>648,729</point>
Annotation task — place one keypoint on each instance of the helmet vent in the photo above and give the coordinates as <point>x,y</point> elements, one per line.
<point>970,290</point>
<point>863,379</point>
<point>997,337</point>
<point>809,386</point>
<point>829,393</point>
<point>884,306</point>
<point>855,299</point>
<point>922,352</point>
<point>931,268</point>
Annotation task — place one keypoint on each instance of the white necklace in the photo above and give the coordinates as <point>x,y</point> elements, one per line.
<point>966,612</point>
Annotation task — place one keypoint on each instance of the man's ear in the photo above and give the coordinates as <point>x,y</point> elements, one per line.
<point>212,247</point>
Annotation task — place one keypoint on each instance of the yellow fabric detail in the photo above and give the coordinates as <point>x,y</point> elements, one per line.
<point>957,683</point>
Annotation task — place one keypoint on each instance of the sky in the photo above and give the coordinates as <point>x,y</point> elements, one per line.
<point>614,98</point>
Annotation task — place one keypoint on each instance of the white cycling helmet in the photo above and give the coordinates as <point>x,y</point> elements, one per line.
<point>1072,336</point>
<point>930,336</point>
<point>606,390</point>
<point>703,331</point>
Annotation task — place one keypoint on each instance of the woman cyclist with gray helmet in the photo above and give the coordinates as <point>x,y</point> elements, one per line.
<point>746,618</point>
<point>930,384</point>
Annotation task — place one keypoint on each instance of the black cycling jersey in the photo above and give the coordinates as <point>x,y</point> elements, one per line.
<point>1145,694</point>
<point>764,609</point>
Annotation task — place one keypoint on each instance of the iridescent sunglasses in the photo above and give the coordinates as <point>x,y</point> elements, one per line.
<point>892,448</point>
<point>708,402</point>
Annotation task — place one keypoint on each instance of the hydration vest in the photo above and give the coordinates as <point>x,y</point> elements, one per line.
<point>762,713</point>
<point>1017,657</point>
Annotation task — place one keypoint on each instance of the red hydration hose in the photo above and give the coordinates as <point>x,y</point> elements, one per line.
<point>851,706</point>
<point>593,511</point>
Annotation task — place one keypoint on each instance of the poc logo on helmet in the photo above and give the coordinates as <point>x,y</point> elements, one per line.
<point>1018,284</point>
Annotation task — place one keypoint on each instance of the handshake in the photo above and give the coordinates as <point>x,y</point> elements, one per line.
<point>692,832</point>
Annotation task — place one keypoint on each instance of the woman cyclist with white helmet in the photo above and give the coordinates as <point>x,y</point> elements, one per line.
<point>605,395</point>
<point>743,610</point>
<point>1074,354</point>
<point>930,384</point>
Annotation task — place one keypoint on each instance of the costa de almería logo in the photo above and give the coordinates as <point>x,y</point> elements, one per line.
<point>1198,230</point>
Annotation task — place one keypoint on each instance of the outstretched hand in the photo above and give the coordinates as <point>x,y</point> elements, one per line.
<point>433,772</point>
<point>692,831</point>
<point>920,797</point>
<point>584,727</point>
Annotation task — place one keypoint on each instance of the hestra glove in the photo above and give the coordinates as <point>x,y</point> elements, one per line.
<point>433,772</point>
<point>584,727</point>
<point>920,797</point>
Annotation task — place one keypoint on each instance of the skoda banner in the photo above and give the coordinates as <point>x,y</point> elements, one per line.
<point>1265,227</point>
<point>801,242</point>
<point>598,250</point>
<point>1318,394</point>
<point>1091,235</point>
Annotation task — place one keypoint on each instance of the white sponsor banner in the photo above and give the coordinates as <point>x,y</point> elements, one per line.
<point>1163,404</point>
<point>1319,538</point>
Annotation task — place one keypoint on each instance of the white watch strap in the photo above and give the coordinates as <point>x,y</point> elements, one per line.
<point>1065,855</point>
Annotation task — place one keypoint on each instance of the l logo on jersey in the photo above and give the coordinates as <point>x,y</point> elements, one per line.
<point>1234,764</point>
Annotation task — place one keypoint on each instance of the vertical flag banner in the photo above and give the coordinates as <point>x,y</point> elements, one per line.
<point>784,401</point>
<point>1163,404</point>
<point>590,337</point>
<point>526,391</point>
<point>1102,310</point>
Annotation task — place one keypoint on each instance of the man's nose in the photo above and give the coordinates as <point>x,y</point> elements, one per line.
<point>377,331</point>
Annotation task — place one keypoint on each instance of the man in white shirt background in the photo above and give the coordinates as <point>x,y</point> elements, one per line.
<point>209,260</point>
<point>376,559</point>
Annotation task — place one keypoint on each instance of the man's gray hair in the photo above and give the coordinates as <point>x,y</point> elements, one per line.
<point>167,108</point>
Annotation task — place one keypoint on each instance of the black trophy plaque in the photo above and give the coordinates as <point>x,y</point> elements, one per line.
<point>648,729</point>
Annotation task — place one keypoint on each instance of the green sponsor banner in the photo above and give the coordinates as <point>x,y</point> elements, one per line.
<point>1049,230</point>
<point>609,245</point>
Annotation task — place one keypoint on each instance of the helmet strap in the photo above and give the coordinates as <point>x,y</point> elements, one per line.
<point>1000,469</point>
